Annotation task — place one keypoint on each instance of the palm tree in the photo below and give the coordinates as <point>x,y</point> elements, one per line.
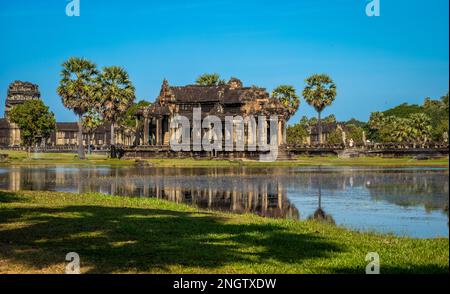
<point>398,129</point>
<point>421,127</point>
<point>287,96</point>
<point>116,95</point>
<point>209,80</point>
<point>76,91</point>
<point>320,91</point>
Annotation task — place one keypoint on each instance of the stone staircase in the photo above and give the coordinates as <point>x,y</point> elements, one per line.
<point>283,154</point>
<point>348,153</point>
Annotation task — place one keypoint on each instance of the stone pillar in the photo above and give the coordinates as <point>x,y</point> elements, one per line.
<point>158,131</point>
<point>136,133</point>
<point>284,133</point>
<point>280,132</point>
<point>263,136</point>
<point>146,125</point>
<point>250,138</point>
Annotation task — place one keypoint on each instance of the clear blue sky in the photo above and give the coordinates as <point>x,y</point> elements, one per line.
<point>378,62</point>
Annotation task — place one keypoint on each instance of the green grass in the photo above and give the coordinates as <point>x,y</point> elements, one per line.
<point>134,235</point>
<point>306,161</point>
<point>21,158</point>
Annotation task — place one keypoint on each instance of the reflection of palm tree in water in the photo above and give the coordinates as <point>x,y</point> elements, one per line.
<point>320,214</point>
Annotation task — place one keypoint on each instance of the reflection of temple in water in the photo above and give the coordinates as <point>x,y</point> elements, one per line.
<point>207,188</point>
<point>261,191</point>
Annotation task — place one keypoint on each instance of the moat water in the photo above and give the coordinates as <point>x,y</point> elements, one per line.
<point>402,201</point>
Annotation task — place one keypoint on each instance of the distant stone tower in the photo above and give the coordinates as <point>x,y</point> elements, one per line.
<point>235,83</point>
<point>20,92</point>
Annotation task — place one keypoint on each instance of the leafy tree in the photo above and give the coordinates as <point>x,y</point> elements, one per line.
<point>335,137</point>
<point>415,128</point>
<point>411,123</point>
<point>331,119</point>
<point>287,96</point>
<point>403,110</point>
<point>116,95</point>
<point>437,111</point>
<point>92,120</point>
<point>375,123</point>
<point>320,92</point>
<point>209,80</point>
<point>420,127</point>
<point>296,134</point>
<point>355,133</point>
<point>304,121</point>
<point>129,118</point>
<point>76,90</point>
<point>35,121</point>
<point>358,123</point>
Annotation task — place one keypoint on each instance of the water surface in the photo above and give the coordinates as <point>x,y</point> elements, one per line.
<point>403,201</point>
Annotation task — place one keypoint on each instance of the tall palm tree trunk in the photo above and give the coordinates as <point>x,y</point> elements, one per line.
<point>319,124</point>
<point>80,138</point>
<point>113,142</point>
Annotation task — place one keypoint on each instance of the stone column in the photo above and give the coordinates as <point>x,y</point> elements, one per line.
<point>146,125</point>
<point>280,132</point>
<point>284,133</point>
<point>136,133</point>
<point>158,131</point>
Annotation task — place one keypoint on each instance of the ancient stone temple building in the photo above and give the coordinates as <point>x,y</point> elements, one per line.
<point>231,99</point>
<point>65,134</point>
<point>18,93</point>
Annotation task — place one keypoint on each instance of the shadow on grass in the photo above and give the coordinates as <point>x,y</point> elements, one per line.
<point>112,239</point>
<point>9,197</point>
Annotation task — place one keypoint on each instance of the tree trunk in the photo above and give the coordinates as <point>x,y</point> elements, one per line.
<point>89,143</point>
<point>319,124</point>
<point>113,141</point>
<point>80,138</point>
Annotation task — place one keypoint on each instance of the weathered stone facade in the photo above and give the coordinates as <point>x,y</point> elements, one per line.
<point>18,93</point>
<point>66,133</point>
<point>231,99</point>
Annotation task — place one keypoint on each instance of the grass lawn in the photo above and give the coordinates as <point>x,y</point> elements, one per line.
<point>307,161</point>
<point>21,158</point>
<point>133,235</point>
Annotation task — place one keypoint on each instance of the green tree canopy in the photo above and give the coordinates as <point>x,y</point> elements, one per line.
<point>129,118</point>
<point>403,110</point>
<point>35,121</point>
<point>209,80</point>
<point>91,121</point>
<point>416,128</point>
<point>355,133</point>
<point>296,134</point>
<point>330,119</point>
<point>320,92</point>
<point>116,94</point>
<point>77,85</point>
<point>287,96</point>
<point>76,89</point>
<point>411,123</point>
